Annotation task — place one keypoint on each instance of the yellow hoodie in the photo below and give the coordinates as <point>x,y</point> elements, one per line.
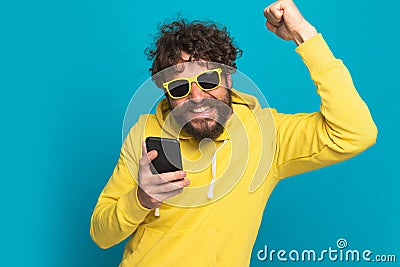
<point>215,221</point>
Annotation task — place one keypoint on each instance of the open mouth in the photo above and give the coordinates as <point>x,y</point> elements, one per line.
<point>202,112</point>
<point>202,109</point>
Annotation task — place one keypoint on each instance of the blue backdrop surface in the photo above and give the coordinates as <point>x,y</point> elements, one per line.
<point>69,69</point>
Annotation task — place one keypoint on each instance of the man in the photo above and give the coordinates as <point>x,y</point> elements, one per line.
<point>209,214</point>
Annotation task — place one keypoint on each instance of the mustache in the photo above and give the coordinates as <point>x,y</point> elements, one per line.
<point>190,104</point>
<point>206,101</point>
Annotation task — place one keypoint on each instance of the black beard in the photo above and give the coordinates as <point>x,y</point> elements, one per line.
<point>204,130</point>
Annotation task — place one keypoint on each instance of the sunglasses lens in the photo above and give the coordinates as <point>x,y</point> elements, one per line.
<point>178,88</point>
<point>209,80</point>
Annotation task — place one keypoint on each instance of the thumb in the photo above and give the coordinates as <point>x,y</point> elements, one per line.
<point>148,155</point>
<point>152,154</point>
<point>144,149</point>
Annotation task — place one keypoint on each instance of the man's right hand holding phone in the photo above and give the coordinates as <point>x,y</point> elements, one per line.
<point>155,188</point>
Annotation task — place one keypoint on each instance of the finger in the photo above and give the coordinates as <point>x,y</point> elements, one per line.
<point>274,13</point>
<point>152,154</point>
<point>271,27</point>
<point>144,161</point>
<point>168,187</point>
<point>170,176</point>
<point>163,178</point>
<point>144,149</point>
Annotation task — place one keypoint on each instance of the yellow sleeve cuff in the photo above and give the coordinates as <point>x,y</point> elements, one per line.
<point>315,53</point>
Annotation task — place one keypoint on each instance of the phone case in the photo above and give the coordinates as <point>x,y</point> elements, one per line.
<point>169,154</point>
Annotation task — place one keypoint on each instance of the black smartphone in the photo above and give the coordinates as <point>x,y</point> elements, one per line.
<point>169,154</point>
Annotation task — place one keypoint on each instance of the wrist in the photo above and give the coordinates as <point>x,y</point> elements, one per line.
<point>304,33</point>
<point>139,199</point>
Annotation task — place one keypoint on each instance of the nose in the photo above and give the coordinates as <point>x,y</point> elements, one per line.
<point>196,94</point>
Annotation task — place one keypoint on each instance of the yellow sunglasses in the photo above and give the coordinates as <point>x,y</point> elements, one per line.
<point>206,81</point>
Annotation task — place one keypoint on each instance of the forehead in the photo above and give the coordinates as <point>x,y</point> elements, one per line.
<point>187,67</point>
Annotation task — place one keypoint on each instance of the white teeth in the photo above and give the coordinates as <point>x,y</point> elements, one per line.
<point>201,109</point>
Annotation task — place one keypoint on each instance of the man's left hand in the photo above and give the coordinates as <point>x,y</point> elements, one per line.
<point>286,21</point>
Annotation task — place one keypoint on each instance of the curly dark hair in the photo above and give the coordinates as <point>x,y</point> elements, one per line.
<point>201,40</point>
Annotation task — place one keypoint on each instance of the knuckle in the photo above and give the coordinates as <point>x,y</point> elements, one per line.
<point>160,179</point>
<point>163,178</point>
<point>177,175</point>
<point>167,187</point>
<point>178,185</point>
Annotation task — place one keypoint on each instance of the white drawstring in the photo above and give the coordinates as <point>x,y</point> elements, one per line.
<point>157,212</point>
<point>210,193</point>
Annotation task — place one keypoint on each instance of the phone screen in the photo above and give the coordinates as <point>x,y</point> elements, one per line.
<point>169,154</point>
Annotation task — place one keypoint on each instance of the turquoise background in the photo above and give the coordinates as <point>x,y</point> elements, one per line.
<point>69,69</point>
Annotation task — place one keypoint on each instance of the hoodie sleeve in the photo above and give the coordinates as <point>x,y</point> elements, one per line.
<point>341,129</point>
<point>118,211</point>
